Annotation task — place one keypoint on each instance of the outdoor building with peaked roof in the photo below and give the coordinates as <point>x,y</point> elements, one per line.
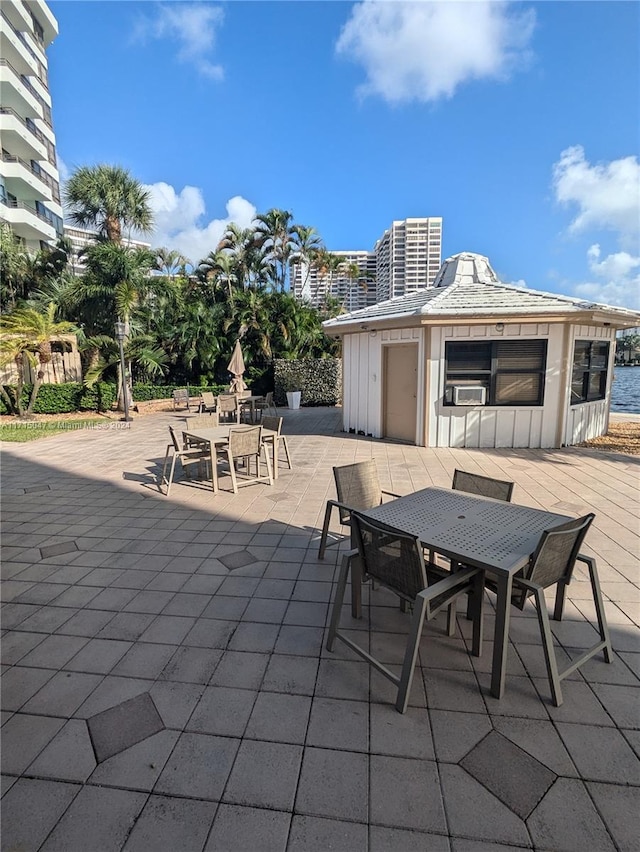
<point>474,362</point>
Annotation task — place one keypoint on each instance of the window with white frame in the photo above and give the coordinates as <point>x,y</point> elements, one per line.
<point>511,372</point>
<point>590,368</point>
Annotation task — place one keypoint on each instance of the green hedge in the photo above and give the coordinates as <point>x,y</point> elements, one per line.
<point>319,379</point>
<point>66,397</point>
<point>145,392</point>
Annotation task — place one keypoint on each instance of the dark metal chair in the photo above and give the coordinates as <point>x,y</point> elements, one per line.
<point>395,559</point>
<point>357,487</point>
<point>482,486</point>
<point>552,564</point>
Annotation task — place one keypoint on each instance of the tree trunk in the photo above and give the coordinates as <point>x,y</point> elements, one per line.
<point>7,400</point>
<point>34,393</point>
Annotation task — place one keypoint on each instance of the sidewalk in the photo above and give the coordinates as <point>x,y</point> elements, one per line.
<point>166,685</point>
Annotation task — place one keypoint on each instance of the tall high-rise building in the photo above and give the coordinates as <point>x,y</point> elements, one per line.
<point>29,179</point>
<point>407,257</point>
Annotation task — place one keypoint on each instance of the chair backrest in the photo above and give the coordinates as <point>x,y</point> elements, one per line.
<point>245,442</point>
<point>357,486</point>
<point>268,399</point>
<point>202,421</point>
<point>228,402</point>
<point>174,439</point>
<point>483,486</point>
<point>270,422</point>
<point>392,557</point>
<point>555,555</point>
<point>208,398</point>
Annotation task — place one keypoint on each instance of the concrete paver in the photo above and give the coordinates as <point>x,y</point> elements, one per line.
<point>216,606</point>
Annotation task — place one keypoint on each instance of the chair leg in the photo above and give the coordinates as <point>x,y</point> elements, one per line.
<point>561,591</point>
<point>267,462</point>
<point>547,644</point>
<point>286,451</point>
<point>411,654</point>
<point>325,531</point>
<point>164,467</point>
<point>232,472</point>
<point>477,600</point>
<point>171,472</point>
<point>603,628</point>
<point>338,601</point>
<point>452,612</point>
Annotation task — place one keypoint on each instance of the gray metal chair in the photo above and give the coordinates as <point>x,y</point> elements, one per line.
<point>228,408</point>
<point>188,456</point>
<point>396,561</point>
<point>207,402</point>
<point>552,564</point>
<point>482,486</point>
<point>357,487</point>
<point>267,405</point>
<point>244,446</point>
<point>275,424</point>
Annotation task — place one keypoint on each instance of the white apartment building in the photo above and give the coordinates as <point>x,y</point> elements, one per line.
<point>406,258</point>
<point>29,179</point>
<point>80,238</point>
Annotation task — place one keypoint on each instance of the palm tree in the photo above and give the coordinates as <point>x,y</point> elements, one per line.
<point>26,337</point>
<point>327,265</point>
<point>274,232</point>
<point>307,244</point>
<point>108,199</point>
<point>170,262</point>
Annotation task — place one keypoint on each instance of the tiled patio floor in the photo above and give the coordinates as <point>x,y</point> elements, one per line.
<point>181,641</point>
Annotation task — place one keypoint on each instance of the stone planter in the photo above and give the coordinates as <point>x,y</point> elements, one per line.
<point>293,399</point>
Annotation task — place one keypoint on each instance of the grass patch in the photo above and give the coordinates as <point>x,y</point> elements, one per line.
<point>20,431</point>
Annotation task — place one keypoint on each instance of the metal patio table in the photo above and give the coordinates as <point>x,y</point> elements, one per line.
<point>490,534</point>
<point>218,436</point>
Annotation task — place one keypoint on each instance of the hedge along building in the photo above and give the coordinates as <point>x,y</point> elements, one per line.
<point>473,362</point>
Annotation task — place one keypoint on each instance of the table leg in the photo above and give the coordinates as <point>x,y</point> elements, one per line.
<point>214,468</point>
<point>501,635</point>
<point>356,587</point>
<point>276,441</point>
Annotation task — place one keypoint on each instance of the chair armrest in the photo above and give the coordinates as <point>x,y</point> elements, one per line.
<point>390,493</point>
<point>340,505</point>
<point>460,578</point>
<point>588,560</point>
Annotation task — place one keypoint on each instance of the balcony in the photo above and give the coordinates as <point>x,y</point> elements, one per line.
<point>21,51</point>
<point>21,171</point>
<point>21,93</point>
<point>26,222</point>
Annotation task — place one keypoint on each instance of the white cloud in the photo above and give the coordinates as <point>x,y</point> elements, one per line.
<point>177,220</point>
<point>194,27</point>
<point>423,51</point>
<point>607,194</point>
<point>618,279</point>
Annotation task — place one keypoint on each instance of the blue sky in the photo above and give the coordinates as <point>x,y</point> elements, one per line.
<point>518,123</point>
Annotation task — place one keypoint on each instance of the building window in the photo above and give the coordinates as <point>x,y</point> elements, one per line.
<point>590,368</point>
<point>511,371</point>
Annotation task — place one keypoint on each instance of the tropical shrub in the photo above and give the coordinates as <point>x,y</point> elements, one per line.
<point>143,392</point>
<point>319,379</point>
<point>67,397</point>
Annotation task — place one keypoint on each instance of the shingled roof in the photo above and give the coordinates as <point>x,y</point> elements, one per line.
<point>466,286</point>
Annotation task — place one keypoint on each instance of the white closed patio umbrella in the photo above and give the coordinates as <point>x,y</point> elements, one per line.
<point>236,368</point>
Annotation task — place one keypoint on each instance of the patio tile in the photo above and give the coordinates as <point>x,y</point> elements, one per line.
<point>334,784</point>
<point>406,793</point>
<point>601,754</point>
<point>20,683</point>
<point>54,651</point>
<point>139,766</point>
<point>304,641</point>
<point>463,844</point>
<point>620,702</point>
<point>203,584</point>
<point>115,599</point>
<point>169,629</point>
<point>293,675</point>
<point>16,645</point>
<point>383,839</point>
<point>23,738</point>
<point>339,724</point>
<point>175,702</point>
<point>111,691</point>
<point>187,604</point>
<point>198,767</point>
<point>14,614</point>
<point>539,739</point>
<point>128,626</point>
<point>99,819</point>
<point>123,725</point>
<point>581,704</point>
<point>264,775</point>
<point>145,660</point>
<point>62,694</point>
<point>275,588</point>
<point>511,774</point>
<point>451,690</point>
<point>148,601</point>
<point>239,586</point>
<point>98,656</point>
<point>226,607</point>
<point>343,679</point>
<point>47,619</point>
<point>77,596</point>
<point>210,633</point>
<point>401,735</point>
<point>619,807</point>
<point>86,622</point>
<point>265,610</point>
<point>314,834</point>
<point>456,733</point>
<point>69,756</point>
<point>253,636</point>
<point>306,613</point>
<point>44,801</point>
<point>237,829</point>
<point>277,717</point>
<point>472,811</point>
<point>222,711</point>
<point>241,669</point>
<point>191,665</point>
<point>170,823</point>
<point>566,819</point>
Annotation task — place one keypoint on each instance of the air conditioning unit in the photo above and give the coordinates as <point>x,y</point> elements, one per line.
<point>469,395</point>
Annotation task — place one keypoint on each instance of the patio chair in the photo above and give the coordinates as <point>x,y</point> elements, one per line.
<point>357,487</point>
<point>552,564</point>
<point>244,446</point>
<point>181,398</point>
<point>266,404</point>
<point>482,486</point>
<point>275,423</point>
<point>396,561</point>
<point>188,457</point>
<point>228,408</point>
<point>207,402</point>
<point>198,421</point>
